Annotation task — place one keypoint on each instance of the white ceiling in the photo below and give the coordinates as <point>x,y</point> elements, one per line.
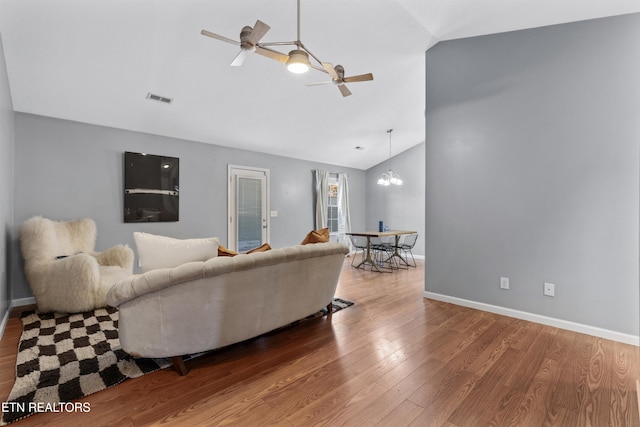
<point>95,61</point>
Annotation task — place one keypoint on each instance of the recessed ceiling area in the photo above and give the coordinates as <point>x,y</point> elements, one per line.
<point>97,61</point>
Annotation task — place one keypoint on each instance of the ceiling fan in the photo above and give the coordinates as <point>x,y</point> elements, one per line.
<point>338,78</point>
<point>249,38</point>
<point>249,42</point>
<point>297,60</point>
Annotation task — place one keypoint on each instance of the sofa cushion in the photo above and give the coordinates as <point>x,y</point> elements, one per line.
<point>138,285</point>
<point>317,236</point>
<point>166,252</point>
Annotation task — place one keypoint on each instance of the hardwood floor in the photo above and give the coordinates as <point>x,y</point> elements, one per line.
<point>392,359</point>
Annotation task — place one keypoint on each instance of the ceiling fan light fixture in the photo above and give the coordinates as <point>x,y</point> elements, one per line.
<point>298,62</point>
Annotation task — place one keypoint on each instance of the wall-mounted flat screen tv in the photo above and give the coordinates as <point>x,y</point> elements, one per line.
<point>151,187</point>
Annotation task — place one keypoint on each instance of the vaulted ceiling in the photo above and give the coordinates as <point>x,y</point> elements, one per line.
<point>96,61</point>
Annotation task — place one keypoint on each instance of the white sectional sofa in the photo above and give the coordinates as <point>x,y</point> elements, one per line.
<point>199,306</point>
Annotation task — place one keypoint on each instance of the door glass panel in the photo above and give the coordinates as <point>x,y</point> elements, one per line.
<point>249,213</point>
<point>248,225</point>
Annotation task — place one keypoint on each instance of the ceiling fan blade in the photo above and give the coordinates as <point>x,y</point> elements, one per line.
<point>219,37</point>
<point>239,59</point>
<point>272,54</point>
<point>259,30</point>
<point>319,83</point>
<point>360,78</point>
<point>344,90</point>
<point>332,71</point>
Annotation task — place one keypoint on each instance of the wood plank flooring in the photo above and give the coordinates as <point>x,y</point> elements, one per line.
<point>392,359</point>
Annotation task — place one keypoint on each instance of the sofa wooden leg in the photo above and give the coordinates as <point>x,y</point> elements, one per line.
<point>179,365</point>
<point>329,309</point>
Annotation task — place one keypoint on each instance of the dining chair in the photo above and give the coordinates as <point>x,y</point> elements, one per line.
<point>360,243</point>
<point>383,251</point>
<point>406,247</point>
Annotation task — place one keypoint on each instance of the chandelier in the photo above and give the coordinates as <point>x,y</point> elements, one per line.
<point>388,178</point>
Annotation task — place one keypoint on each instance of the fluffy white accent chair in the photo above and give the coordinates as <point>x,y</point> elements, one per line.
<point>63,271</point>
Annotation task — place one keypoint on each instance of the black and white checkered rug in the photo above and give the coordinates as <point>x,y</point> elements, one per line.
<point>64,357</point>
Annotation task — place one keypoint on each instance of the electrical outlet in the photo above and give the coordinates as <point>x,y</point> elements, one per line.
<point>549,289</point>
<point>504,283</point>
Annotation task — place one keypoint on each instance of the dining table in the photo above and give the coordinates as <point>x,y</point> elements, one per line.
<point>369,234</point>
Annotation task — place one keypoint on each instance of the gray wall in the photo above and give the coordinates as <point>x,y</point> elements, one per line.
<point>533,171</point>
<point>6,189</point>
<point>66,170</point>
<point>400,207</point>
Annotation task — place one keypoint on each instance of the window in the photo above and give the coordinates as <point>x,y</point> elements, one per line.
<point>332,206</point>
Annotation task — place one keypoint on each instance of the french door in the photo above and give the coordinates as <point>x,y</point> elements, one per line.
<point>248,204</point>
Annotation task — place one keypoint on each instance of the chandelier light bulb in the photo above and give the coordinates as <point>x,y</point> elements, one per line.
<point>389,177</point>
<point>384,180</point>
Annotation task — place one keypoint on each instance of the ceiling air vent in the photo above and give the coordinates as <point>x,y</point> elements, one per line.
<point>159,98</point>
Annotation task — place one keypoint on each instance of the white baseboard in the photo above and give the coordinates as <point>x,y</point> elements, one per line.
<point>23,301</point>
<point>537,318</point>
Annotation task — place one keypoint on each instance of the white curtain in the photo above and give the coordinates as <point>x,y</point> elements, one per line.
<point>344,216</point>
<point>322,188</point>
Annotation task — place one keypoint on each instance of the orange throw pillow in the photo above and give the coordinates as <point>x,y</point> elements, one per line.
<point>222,251</point>
<point>318,236</point>
<point>262,248</point>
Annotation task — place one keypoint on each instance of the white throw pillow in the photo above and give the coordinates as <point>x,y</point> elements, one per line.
<point>166,252</point>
